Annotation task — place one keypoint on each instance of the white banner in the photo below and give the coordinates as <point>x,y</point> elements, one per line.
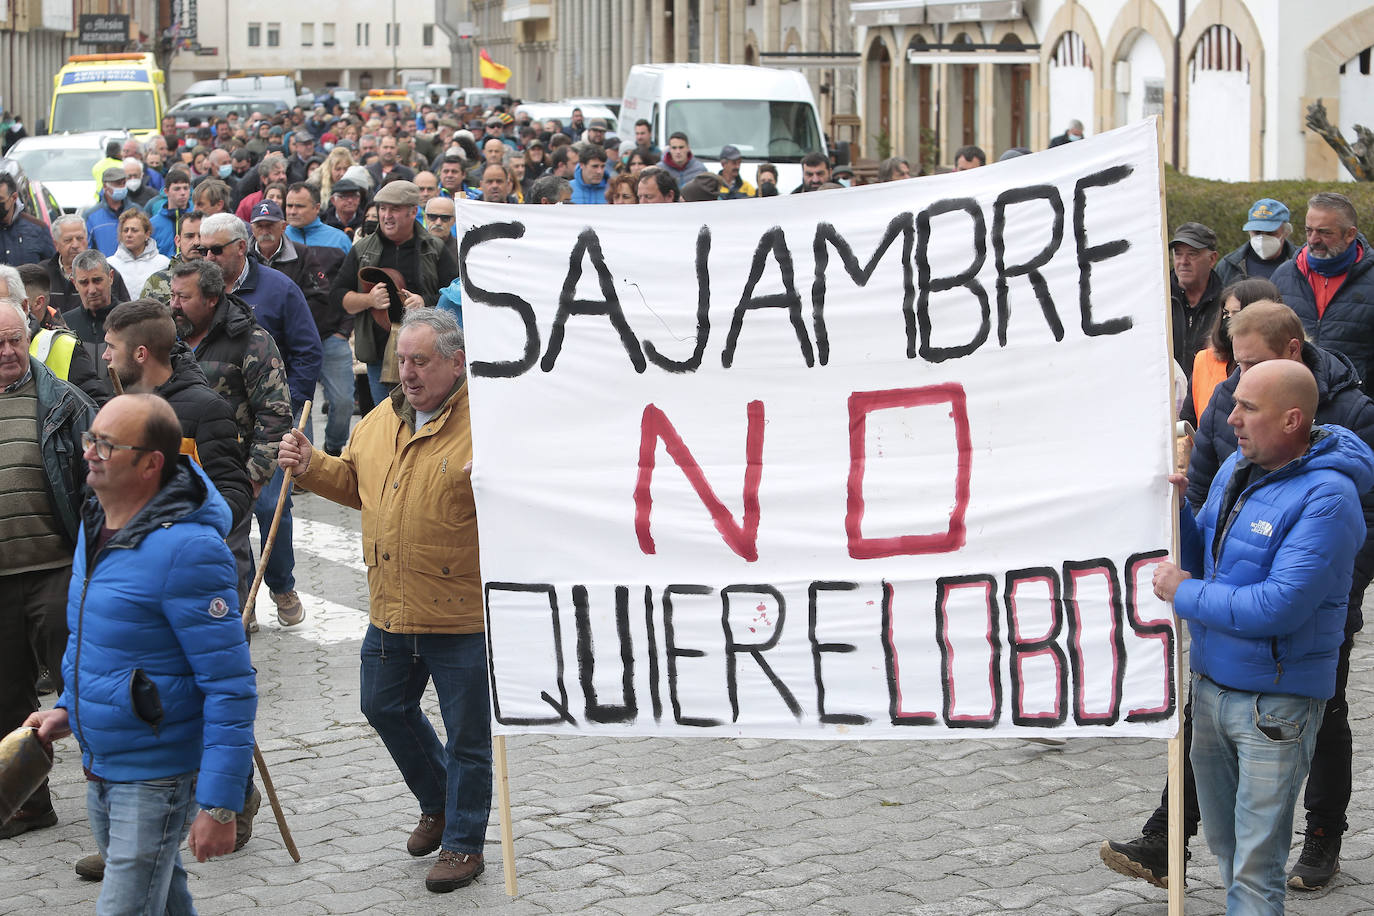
<point>883,462</point>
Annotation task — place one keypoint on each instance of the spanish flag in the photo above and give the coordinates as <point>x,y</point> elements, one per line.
<point>494,76</point>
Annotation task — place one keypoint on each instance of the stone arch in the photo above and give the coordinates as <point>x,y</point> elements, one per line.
<point>1322,80</point>
<point>1233,15</point>
<point>876,90</point>
<point>1135,18</point>
<point>791,42</point>
<point>920,103</point>
<point>751,48</point>
<point>1072,17</point>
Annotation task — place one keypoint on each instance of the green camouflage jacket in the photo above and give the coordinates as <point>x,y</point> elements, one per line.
<point>242,363</point>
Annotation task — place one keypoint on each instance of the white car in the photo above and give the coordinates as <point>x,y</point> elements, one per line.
<point>562,111</point>
<point>63,163</point>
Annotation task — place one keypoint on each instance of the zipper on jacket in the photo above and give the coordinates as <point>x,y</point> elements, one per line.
<point>1274,651</point>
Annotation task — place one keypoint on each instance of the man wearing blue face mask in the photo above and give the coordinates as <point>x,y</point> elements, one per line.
<point>102,217</point>
<point>1267,248</point>
<point>1330,283</point>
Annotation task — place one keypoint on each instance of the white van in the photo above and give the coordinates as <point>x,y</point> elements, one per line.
<point>769,115</point>
<point>262,87</point>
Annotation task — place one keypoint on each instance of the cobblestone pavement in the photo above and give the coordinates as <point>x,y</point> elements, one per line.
<point>648,826</point>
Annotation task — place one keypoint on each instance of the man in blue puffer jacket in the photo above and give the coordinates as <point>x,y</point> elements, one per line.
<point>160,690</point>
<point>1266,575</point>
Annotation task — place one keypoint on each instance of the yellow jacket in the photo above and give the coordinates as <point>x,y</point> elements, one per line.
<point>419,519</point>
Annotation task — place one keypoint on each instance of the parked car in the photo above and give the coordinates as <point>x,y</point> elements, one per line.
<point>543,111</point>
<point>38,200</point>
<point>63,163</point>
<point>207,107</point>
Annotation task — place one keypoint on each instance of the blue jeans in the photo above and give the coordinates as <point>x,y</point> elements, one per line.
<point>1251,752</point>
<point>453,778</point>
<point>280,575</point>
<point>336,375</point>
<point>380,392</point>
<point>138,829</point>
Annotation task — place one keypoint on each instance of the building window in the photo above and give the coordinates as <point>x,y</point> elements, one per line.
<point>255,34</point>
<point>364,34</point>
<point>274,34</point>
<point>327,34</point>
<point>429,36</point>
<point>393,33</point>
<point>307,34</point>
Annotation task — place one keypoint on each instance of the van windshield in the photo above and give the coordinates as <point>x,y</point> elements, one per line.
<point>131,109</point>
<point>761,129</point>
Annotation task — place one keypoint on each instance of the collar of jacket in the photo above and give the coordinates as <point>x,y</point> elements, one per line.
<point>407,413</point>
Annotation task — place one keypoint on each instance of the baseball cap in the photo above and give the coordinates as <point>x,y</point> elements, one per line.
<point>729,153</point>
<point>344,186</point>
<point>267,211</point>
<point>1266,215</point>
<point>1194,235</point>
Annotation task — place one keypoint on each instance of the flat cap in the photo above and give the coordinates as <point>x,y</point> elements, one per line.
<point>1195,235</point>
<point>398,194</point>
<point>112,174</point>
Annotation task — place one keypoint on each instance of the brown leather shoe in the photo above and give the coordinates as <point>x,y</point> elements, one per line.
<point>427,835</point>
<point>91,867</point>
<point>453,870</point>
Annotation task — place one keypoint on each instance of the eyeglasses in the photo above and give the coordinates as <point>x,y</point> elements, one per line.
<point>217,250</point>
<point>442,217</point>
<point>104,448</point>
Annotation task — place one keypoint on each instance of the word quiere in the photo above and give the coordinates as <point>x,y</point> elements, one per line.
<point>919,281</point>
<point>1009,661</point>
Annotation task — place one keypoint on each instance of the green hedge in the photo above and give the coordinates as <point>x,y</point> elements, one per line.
<point>1223,205</point>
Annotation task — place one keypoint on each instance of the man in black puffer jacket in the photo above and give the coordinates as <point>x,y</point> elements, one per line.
<point>1330,284</point>
<point>1264,331</point>
<point>145,353</point>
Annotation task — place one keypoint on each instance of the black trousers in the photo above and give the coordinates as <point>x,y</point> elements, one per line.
<point>1328,782</point>
<point>37,618</point>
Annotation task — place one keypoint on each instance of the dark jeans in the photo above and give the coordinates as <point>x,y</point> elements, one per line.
<point>453,778</point>
<point>33,612</point>
<point>1328,781</point>
<point>281,565</point>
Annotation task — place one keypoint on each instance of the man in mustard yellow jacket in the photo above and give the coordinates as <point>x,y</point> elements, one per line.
<point>407,466</point>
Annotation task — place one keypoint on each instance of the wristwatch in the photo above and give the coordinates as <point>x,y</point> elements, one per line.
<point>221,815</point>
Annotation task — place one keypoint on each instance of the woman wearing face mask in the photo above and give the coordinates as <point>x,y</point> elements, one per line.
<point>1269,229</point>
<point>369,226</point>
<point>1215,362</point>
<point>137,258</point>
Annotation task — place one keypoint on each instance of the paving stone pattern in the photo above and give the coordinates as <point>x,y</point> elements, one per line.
<point>648,826</point>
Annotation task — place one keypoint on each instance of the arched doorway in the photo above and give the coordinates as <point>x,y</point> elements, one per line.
<point>1011,84</point>
<point>962,98</point>
<point>877,103</point>
<point>1140,78</point>
<point>1218,136</point>
<point>1357,97</point>
<point>919,140</point>
<point>1073,85</point>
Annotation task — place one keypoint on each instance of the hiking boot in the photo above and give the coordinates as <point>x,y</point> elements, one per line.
<point>1146,858</point>
<point>91,867</point>
<point>243,824</point>
<point>250,620</point>
<point>1319,862</point>
<point>290,611</point>
<point>24,821</point>
<point>427,835</point>
<point>453,870</point>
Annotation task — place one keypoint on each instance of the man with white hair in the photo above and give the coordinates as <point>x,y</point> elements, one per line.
<point>42,419</point>
<point>1072,133</point>
<point>140,192</point>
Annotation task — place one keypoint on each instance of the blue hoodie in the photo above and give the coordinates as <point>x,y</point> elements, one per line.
<point>1266,608</point>
<point>583,193</point>
<point>154,614</point>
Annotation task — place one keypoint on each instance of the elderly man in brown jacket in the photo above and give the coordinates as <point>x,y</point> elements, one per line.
<point>407,466</point>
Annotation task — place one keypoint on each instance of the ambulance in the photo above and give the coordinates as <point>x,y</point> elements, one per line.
<point>108,92</point>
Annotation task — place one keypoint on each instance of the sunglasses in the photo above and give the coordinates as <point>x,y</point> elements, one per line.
<point>216,250</point>
<point>442,217</point>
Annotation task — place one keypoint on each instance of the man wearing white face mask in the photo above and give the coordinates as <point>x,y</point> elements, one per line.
<point>1268,247</point>
<point>139,193</point>
<point>102,217</point>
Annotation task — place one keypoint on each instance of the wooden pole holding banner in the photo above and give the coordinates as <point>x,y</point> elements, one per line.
<point>252,597</point>
<point>1177,843</point>
<point>498,759</point>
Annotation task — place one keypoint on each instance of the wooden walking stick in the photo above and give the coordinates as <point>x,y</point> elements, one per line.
<point>498,748</point>
<point>252,597</point>
<point>115,383</point>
